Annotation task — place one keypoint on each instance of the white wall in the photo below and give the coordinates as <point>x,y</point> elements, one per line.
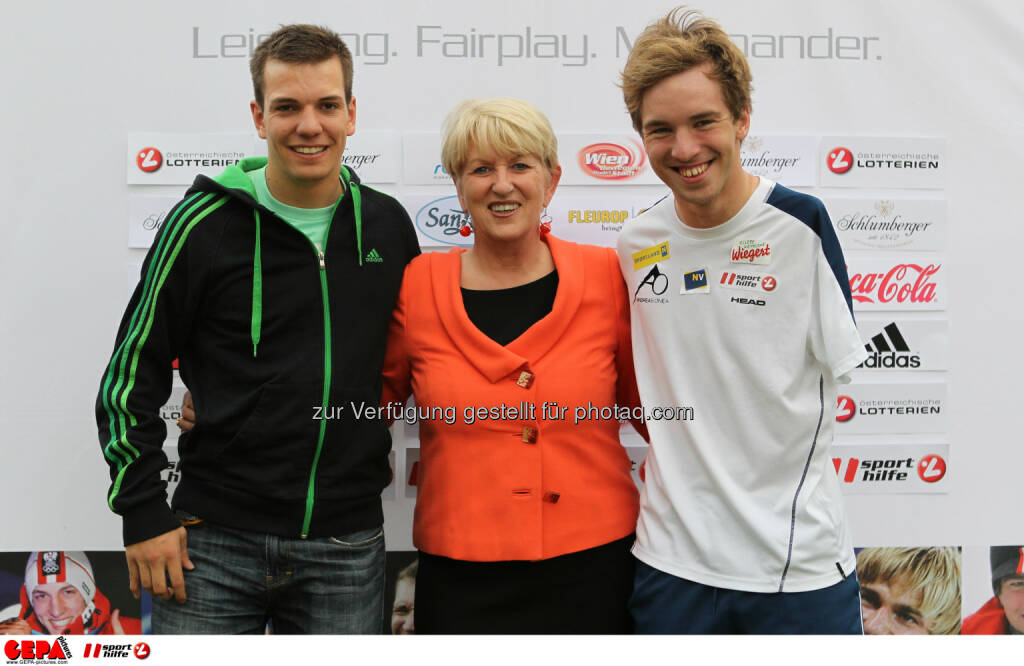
<point>77,80</point>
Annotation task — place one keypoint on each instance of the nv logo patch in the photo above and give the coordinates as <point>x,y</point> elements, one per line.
<point>373,257</point>
<point>695,282</point>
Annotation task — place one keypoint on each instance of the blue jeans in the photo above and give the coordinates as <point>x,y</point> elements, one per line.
<point>242,580</point>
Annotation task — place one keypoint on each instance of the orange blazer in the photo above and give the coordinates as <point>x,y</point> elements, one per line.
<point>526,482</point>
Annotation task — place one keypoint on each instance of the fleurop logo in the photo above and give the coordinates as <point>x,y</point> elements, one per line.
<point>611,161</point>
<point>149,159</point>
<point>839,160</point>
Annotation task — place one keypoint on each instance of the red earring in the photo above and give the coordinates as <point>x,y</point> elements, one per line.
<point>465,229</point>
<point>545,222</point>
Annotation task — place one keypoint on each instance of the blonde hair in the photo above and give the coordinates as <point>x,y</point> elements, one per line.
<point>503,124</point>
<point>934,572</point>
<point>685,39</point>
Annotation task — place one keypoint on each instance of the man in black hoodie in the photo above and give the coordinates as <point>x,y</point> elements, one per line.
<point>273,285</point>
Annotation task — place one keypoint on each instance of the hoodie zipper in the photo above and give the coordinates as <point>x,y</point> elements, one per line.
<point>311,487</point>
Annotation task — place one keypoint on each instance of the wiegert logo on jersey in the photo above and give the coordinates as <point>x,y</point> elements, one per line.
<point>608,160</point>
<point>149,159</point>
<point>37,651</point>
<point>891,468</point>
<point>752,252</point>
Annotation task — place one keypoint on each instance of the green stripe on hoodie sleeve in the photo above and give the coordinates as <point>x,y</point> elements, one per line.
<point>124,363</point>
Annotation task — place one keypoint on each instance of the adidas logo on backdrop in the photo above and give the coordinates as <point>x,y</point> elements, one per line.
<point>889,349</point>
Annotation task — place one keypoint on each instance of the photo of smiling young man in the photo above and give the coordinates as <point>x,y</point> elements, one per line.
<point>66,592</point>
<point>273,286</point>
<point>740,309</point>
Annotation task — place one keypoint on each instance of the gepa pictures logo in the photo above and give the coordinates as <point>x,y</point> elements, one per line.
<point>34,651</point>
<point>607,160</point>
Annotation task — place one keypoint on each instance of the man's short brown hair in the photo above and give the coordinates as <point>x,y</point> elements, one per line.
<point>685,39</point>
<point>300,43</point>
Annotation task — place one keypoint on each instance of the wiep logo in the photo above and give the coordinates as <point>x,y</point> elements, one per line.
<point>149,159</point>
<point>903,284</point>
<point>839,160</point>
<point>611,161</point>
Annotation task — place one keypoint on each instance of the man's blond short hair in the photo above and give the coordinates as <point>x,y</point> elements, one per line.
<point>934,572</point>
<point>685,39</point>
<point>507,126</point>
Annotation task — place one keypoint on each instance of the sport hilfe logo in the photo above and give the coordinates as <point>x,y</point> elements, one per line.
<point>839,160</point>
<point>611,161</point>
<point>149,159</point>
<point>881,469</point>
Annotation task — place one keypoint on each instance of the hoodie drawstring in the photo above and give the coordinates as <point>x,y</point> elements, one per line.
<point>257,289</point>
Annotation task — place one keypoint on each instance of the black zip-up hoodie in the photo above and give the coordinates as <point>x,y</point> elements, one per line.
<point>271,336</point>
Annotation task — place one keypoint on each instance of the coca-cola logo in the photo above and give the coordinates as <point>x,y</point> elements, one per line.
<point>903,283</point>
<point>612,161</point>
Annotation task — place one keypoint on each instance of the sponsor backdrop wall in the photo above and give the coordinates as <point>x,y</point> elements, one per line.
<point>903,117</point>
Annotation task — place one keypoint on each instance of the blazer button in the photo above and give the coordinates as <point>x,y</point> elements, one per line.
<point>525,379</point>
<point>551,497</point>
<point>529,435</point>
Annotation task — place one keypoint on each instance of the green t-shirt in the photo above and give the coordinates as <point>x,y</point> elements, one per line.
<point>312,222</point>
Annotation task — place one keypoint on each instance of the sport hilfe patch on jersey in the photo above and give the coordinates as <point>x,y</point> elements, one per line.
<point>651,255</point>
<point>748,281</point>
<point>695,282</point>
<point>751,252</point>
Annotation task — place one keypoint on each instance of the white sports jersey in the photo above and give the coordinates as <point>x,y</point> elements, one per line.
<point>749,323</point>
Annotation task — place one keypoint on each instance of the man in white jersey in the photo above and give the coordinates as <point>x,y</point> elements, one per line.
<point>741,309</point>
